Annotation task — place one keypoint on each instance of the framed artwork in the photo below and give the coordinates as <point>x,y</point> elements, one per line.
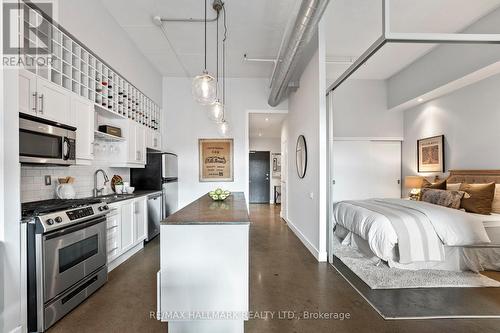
<point>276,165</point>
<point>216,160</point>
<point>430,154</point>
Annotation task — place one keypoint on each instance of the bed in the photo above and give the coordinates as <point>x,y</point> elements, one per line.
<point>419,235</point>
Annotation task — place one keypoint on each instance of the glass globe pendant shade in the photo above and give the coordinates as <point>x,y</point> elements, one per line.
<point>204,89</point>
<point>216,111</point>
<point>223,128</point>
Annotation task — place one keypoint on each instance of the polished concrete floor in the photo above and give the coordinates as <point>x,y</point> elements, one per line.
<point>286,283</point>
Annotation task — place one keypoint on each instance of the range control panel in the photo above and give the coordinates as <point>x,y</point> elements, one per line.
<point>58,220</point>
<point>79,213</point>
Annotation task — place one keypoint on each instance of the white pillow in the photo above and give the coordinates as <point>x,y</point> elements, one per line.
<point>453,187</point>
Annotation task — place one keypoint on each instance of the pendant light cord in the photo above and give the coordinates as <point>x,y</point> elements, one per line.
<point>217,60</point>
<point>205,34</point>
<point>224,65</point>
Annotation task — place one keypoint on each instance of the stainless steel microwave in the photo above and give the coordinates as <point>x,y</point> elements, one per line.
<point>43,141</point>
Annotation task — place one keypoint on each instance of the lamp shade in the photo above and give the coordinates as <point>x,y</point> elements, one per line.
<point>414,181</point>
<point>216,111</point>
<point>204,89</point>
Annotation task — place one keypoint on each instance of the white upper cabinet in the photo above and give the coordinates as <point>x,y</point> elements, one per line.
<point>43,98</point>
<point>82,117</point>
<point>54,102</point>
<point>27,93</point>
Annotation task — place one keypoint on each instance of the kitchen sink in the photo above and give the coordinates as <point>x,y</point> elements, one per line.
<point>115,197</point>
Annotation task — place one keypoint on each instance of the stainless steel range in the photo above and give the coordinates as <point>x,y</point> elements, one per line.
<point>67,258</point>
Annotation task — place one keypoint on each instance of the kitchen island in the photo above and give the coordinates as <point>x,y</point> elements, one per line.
<point>204,266</point>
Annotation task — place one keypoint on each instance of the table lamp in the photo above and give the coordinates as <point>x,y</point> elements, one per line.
<point>415,184</point>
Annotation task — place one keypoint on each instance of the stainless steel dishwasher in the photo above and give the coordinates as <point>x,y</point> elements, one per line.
<point>154,215</point>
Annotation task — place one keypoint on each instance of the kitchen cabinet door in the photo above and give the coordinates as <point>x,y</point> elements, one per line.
<point>127,225</point>
<point>140,219</point>
<point>27,92</point>
<point>132,156</point>
<point>114,221</point>
<point>54,102</point>
<point>140,144</point>
<point>156,140</point>
<point>82,115</point>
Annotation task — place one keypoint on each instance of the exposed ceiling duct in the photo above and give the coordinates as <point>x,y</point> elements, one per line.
<point>300,35</point>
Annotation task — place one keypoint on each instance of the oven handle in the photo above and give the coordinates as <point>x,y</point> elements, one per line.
<point>74,228</point>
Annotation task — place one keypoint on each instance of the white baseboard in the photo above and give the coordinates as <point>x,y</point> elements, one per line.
<point>320,256</point>
<point>124,257</point>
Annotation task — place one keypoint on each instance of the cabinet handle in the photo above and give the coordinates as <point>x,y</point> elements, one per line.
<point>41,103</point>
<point>35,100</point>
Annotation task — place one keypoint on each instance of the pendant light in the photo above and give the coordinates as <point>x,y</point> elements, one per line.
<point>224,125</point>
<point>204,85</point>
<point>215,111</point>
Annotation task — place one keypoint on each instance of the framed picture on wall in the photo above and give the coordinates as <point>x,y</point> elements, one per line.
<point>216,160</point>
<point>430,154</point>
<point>276,165</point>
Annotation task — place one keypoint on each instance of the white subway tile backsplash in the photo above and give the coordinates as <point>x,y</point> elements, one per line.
<point>33,186</point>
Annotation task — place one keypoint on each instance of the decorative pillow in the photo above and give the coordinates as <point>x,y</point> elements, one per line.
<point>481,198</point>
<point>453,187</point>
<point>441,185</point>
<point>450,199</point>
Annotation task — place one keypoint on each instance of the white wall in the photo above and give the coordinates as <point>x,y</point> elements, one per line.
<point>468,118</point>
<point>306,198</point>
<point>359,109</point>
<point>91,23</point>
<point>446,63</point>
<point>186,122</point>
<point>272,145</point>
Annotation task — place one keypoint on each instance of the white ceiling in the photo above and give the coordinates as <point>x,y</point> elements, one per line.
<point>266,125</point>
<point>255,27</point>
<point>353,25</point>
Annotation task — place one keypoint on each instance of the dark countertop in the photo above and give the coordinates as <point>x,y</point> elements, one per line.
<point>205,211</point>
<point>112,198</point>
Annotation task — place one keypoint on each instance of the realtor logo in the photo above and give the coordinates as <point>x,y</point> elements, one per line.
<point>25,30</point>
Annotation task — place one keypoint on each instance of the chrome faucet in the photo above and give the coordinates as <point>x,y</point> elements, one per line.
<point>98,191</point>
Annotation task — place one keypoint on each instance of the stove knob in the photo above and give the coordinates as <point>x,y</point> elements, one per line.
<point>101,208</point>
<point>50,221</point>
<point>105,207</point>
<point>58,219</point>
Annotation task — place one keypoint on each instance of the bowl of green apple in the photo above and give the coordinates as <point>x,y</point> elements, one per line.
<point>219,194</point>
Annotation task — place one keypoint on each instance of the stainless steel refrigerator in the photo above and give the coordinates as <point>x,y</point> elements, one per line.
<point>160,174</point>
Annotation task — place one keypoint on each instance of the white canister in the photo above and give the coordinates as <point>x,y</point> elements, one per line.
<point>65,191</point>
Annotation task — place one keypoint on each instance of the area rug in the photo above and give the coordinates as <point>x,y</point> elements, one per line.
<point>378,275</point>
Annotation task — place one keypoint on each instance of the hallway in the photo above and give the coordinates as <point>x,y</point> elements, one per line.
<point>285,280</point>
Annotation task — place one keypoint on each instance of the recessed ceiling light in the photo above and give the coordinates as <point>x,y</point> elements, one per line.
<point>267,119</point>
<point>260,134</point>
<point>420,100</point>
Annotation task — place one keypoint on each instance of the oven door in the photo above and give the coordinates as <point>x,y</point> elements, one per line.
<point>45,144</point>
<point>72,254</point>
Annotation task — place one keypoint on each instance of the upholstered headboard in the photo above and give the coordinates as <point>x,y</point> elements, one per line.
<point>474,176</point>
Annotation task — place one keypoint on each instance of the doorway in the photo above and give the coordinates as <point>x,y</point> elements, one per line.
<point>259,180</point>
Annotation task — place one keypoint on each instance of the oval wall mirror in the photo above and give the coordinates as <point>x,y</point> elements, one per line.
<point>301,156</point>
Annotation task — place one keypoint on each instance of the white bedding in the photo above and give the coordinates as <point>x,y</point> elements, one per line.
<point>453,227</point>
